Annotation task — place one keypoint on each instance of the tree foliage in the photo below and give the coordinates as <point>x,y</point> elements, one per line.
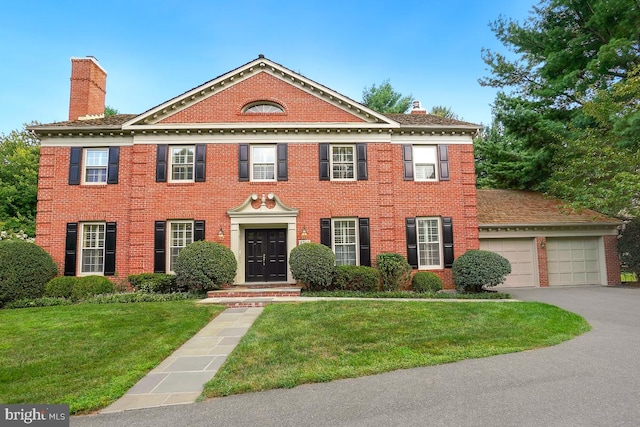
<point>568,109</point>
<point>19,161</point>
<point>442,111</point>
<point>629,246</point>
<point>384,99</point>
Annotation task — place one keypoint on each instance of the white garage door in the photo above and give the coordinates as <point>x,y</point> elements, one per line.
<point>573,261</point>
<point>520,253</point>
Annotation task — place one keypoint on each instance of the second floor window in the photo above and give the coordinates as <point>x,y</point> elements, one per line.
<point>95,165</point>
<point>263,163</point>
<point>181,163</point>
<point>343,162</point>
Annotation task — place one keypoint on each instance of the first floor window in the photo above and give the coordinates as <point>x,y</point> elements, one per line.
<point>263,163</point>
<point>345,240</point>
<point>425,158</point>
<point>92,248</point>
<point>343,162</point>
<point>182,161</point>
<point>429,252</point>
<point>180,235</point>
<point>95,165</point>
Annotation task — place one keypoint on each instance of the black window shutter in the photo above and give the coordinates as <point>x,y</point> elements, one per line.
<point>283,172</point>
<point>70,249</point>
<point>159,259</point>
<point>325,231</point>
<point>161,163</point>
<point>201,162</point>
<point>412,242</point>
<point>112,168</point>
<point>74,166</point>
<point>198,230</point>
<point>324,161</point>
<point>362,162</point>
<point>443,157</point>
<point>110,249</point>
<point>447,241</point>
<point>407,162</point>
<point>243,162</point>
<point>365,242</point>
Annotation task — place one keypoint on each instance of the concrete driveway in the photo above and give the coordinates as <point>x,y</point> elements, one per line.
<point>593,380</point>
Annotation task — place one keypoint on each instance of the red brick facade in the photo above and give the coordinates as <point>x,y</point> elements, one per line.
<point>88,88</point>
<point>212,115</point>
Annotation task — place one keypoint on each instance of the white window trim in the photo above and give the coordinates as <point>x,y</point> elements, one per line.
<point>80,258</point>
<point>169,236</point>
<point>275,162</point>
<point>354,162</point>
<point>435,163</point>
<point>357,234</point>
<point>85,152</point>
<point>170,164</point>
<point>440,245</point>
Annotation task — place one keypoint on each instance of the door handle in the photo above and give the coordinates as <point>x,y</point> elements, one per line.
<point>264,259</point>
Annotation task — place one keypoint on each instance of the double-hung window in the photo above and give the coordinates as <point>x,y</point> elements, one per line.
<point>180,235</point>
<point>343,162</point>
<point>95,165</point>
<point>429,242</point>
<point>263,163</point>
<point>425,159</point>
<point>181,163</point>
<point>92,248</point>
<point>345,240</point>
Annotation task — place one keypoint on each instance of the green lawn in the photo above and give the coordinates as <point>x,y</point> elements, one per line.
<point>293,344</point>
<point>89,355</point>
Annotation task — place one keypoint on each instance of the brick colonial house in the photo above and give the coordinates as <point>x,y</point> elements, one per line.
<point>259,159</point>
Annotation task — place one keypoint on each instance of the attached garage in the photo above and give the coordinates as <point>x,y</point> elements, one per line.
<point>520,252</point>
<point>574,261</point>
<point>548,243</point>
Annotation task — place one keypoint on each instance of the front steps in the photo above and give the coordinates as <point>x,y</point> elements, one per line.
<point>253,295</point>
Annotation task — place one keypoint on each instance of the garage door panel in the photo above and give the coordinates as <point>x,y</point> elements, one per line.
<point>519,252</point>
<point>573,261</point>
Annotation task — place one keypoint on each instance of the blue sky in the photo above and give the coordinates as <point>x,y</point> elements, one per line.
<point>155,50</point>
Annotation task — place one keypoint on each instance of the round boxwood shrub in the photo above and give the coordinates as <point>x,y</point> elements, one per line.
<point>395,271</point>
<point>476,270</point>
<point>205,266</point>
<point>355,278</point>
<point>426,281</point>
<point>24,270</point>
<point>60,287</point>
<point>312,265</point>
<point>89,286</point>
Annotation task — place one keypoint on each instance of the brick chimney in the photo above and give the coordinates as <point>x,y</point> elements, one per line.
<point>88,88</point>
<point>417,108</point>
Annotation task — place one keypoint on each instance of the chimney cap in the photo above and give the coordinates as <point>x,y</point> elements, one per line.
<point>416,107</point>
<point>88,58</point>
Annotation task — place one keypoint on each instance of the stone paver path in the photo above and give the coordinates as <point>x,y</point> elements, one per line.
<point>181,377</point>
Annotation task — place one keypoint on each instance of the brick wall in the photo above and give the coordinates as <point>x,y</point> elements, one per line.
<point>88,88</point>
<point>612,260</point>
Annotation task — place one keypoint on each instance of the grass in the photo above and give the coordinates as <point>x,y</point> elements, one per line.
<point>405,295</point>
<point>89,355</point>
<point>293,344</point>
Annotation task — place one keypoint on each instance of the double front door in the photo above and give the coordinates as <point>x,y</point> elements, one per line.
<point>266,255</point>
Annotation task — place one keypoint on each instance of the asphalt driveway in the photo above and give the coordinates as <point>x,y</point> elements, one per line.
<point>593,380</point>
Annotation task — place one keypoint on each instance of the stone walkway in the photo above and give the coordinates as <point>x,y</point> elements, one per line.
<point>180,379</point>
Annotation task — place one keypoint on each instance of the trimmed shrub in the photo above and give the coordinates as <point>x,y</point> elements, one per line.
<point>60,287</point>
<point>426,281</point>
<point>131,297</point>
<point>395,271</point>
<point>312,264</point>
<point>355,278</point>
<point>38,302</point>
<point>154,283</point>
<point>476,270</point>
<point>205,266</point>
<point>89,286</point>
<point>25,268</point>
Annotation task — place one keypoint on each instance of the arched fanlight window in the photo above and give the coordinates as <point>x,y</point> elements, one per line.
<point>264,107</point>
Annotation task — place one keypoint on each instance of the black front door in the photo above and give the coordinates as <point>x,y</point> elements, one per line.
<point>266,255</point>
